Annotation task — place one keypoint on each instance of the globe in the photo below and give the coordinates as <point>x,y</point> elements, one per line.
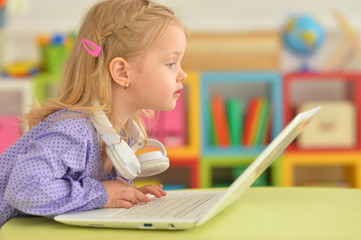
<point>302,35</point>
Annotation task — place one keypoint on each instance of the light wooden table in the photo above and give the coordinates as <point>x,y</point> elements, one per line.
<point>261,213</point>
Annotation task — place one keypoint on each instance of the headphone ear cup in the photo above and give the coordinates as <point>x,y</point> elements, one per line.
<point>155,161</point>
<point>124,160</point>
<point>152,163</point>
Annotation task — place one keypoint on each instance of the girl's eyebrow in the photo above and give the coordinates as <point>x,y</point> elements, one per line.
<point>174,50</point>
<point>177,53</point>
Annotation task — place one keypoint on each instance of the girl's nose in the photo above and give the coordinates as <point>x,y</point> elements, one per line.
<point>183,76</point>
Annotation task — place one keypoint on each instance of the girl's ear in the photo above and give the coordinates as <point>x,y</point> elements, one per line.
<point>118,68</point>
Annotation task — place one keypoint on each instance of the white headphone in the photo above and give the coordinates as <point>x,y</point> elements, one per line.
<point>123,156</point>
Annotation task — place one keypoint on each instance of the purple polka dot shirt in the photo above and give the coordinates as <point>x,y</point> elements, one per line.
<point>55,167</point>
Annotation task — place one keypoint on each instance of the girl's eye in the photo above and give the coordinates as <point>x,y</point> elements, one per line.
<point>171,65</point>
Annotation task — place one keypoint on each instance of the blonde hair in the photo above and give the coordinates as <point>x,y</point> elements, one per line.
<point>124,28</point>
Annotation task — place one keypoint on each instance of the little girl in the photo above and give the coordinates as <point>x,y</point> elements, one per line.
<point>127,59</point>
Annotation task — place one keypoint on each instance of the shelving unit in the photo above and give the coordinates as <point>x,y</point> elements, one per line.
<point>333,87</point>
<point>350,161</point>
<point>243,86</point>
<point>189,155</point>
<point>192,148</point>
<point>199,163</point>
<point>46,85</point>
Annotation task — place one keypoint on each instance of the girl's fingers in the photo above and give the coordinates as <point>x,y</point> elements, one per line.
<point>129,195</point>
<point>154,190</point>
<point>160,188</point>
<point>140,196</point>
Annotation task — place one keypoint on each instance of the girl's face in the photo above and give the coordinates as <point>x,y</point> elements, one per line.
<point>156,76</point>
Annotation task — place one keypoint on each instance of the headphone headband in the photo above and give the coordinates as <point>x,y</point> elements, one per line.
<point>122,155</point>
<point>105,128</point>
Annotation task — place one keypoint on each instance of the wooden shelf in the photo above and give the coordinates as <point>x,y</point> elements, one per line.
<point>294,159</point>
<point>302,87</point>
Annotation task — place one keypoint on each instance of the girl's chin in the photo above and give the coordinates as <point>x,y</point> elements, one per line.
<point>167,108</point>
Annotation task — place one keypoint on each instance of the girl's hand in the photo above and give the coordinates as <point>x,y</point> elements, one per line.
<point>122,194</point>
<point>156,190</point>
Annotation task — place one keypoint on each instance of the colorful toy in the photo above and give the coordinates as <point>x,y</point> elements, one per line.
<point>302,36</point>
<point>54,49</point>
<point>20,69</point>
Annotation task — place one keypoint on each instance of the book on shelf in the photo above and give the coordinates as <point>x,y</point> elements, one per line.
<point>264,123</point>
<point>251,122</point>
<point>267,132</point>
<point>220,120</point>
<point>212,131</point>
<point>231,125</point>
<point>235,109</point>
<point>257,122</point>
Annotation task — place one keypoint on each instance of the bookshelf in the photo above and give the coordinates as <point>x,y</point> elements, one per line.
<point>333,143</point>
<point>239,67</point>
<point>189,155</point>
<point>192,162</point>
<point>243,86</point>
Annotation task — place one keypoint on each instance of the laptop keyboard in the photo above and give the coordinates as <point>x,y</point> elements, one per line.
<point>174,205</point>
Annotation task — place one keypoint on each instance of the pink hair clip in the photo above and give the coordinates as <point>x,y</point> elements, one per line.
<point>96,50</point>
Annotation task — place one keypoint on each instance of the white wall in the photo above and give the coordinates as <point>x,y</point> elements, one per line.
<point>236,15</point>
<point>199,15</point>
<point>27,18</point>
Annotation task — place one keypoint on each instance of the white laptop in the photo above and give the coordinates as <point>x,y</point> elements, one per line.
<point>187,209</point>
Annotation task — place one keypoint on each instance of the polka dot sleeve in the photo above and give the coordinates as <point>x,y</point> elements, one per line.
<point>52,175</point>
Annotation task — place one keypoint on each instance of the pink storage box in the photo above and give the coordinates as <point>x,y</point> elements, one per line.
<point>169,127</point>
<point>10,131</point>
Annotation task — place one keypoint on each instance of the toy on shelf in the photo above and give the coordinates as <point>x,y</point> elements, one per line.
<point>53,50</point>
<point>302,36</point>
<point>20,69</point>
